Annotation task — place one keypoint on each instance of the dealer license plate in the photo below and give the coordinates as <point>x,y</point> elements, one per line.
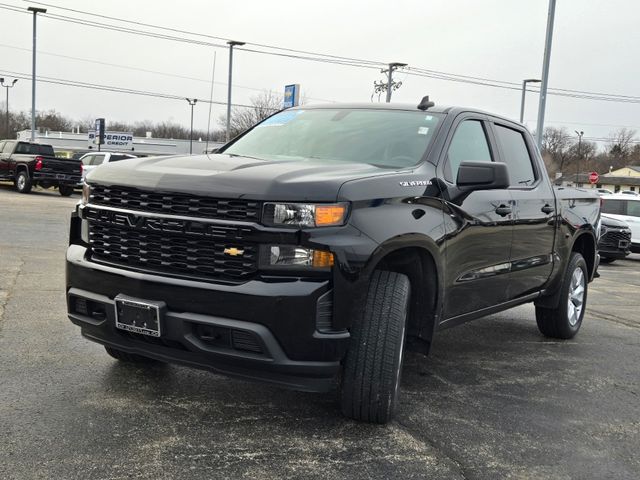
<point>138,316</point>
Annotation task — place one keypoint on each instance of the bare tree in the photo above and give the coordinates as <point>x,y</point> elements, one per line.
<point>555,147</point>
<point>243,118</point>
<point>621,146</point>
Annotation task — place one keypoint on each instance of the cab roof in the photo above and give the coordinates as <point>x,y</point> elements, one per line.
<point>444,109</point>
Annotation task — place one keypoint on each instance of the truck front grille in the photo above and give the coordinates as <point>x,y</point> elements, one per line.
<point>175,203</point>
<point>178,255</point>
<point>612,238</point>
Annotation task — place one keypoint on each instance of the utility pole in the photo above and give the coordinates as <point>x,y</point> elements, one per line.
<point>192,102</point>
<point>35,11</point>
<point>389,85</point>
<point>524,91</point>
<point>579,133</point>
<point>231,43</point>
<point>8,86</point>
<point>545,73</point>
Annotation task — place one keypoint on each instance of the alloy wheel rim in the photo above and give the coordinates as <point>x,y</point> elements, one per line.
<point>575,303</point>
<point>21,182</point>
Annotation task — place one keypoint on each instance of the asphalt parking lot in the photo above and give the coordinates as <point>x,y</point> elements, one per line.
<point>494,400</point>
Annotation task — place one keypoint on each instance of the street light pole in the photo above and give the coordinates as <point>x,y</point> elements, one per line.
<point>35,11</point>
<point>524,91</point>
<point>579,133</point>
<point>545,73</point>
<point>231,43</point>
<point>192,103</point>
<point>8,86</point>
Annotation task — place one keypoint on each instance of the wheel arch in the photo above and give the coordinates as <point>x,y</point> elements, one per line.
<point>586,245</point>
<point>418,257</point>
<point>22,167</point>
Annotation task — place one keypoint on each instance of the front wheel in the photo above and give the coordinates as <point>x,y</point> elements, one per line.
<point>65,190</point>
<point>565,320</point>
<point>372,367</point>
<point>23,182</point>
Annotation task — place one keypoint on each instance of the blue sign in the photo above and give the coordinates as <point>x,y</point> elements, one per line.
<point>291,96</point>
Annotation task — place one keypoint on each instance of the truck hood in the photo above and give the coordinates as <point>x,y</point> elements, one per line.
<point>231,176</point>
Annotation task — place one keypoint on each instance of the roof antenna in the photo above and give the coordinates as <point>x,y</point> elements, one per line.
<point>425,103</point>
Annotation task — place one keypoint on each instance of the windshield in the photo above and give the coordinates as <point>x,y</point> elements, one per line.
<point>386,138</point>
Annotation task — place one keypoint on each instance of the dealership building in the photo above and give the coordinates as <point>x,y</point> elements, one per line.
<point>623,179</point>
<point>69,143</point>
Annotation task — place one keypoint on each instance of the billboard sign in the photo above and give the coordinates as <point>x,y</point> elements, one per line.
<point>291,96</point>
<point>98,137</point>
<point>113,140</point>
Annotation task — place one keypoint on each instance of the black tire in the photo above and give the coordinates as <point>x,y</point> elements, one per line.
<point>128,357</point>
<point>65,190</point>
<point>23,182</point>
<point>607,260</point>
<point>372,367</point>
<point>559,322</point>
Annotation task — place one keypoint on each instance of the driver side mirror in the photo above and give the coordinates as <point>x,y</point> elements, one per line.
<point>482,176</point>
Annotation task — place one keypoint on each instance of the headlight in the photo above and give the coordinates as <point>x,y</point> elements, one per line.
<point>304,214</point>
<point>291,256</point>
<point>86,193</point>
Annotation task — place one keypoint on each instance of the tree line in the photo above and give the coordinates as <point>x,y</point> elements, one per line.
<point>562,152</point>
<point>242,118</point>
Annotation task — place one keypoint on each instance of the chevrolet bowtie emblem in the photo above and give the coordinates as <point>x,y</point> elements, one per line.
<point>234,252</point>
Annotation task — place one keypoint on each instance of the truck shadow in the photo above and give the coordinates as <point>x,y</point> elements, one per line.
<point>479,356</point>
<point>36,191</point>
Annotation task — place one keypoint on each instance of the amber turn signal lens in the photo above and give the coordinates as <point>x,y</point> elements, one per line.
<point>327,215</point>
<point>322,259</point>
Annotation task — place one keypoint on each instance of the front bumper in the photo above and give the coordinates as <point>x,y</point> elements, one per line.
<point>277,320</point>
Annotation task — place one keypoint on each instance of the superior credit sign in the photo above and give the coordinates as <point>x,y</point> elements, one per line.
<point>113,140</point>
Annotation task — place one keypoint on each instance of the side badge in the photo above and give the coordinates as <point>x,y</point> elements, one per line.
<point>415,183</point>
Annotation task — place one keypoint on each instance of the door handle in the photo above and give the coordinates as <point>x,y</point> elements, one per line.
<point>547,209</point>
<point>503,210</point>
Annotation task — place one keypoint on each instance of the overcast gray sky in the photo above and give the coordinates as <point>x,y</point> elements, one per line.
<point>595,48</point>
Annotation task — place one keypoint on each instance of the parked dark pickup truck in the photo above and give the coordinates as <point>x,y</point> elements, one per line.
<point>30,164</point>
<point>325,240</point>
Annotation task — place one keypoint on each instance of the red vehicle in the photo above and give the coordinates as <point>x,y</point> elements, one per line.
<point>30,164</point>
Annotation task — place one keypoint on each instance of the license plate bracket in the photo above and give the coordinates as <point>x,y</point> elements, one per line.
<point>139,316</point>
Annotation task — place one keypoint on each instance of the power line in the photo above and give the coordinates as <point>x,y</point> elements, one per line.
<point>337,61</point>
<point>323,58</point>
<point>156,72</point>
<point>162,27</point>
<point>111,88</point>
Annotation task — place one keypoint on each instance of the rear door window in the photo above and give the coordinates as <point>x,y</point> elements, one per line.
<point>87,160</point>
<point>515,154</point>
<point>633,208</point>
<point>97,159</point>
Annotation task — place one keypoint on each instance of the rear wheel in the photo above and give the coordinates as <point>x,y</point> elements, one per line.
<point>565,320</point>
<point>128,357</point>
<point>23,182</point>
<point>372,367</point>
<point>65,190</point>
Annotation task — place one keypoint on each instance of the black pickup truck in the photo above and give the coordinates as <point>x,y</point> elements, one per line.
<point>323,242</point>
<point>30,164</point>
